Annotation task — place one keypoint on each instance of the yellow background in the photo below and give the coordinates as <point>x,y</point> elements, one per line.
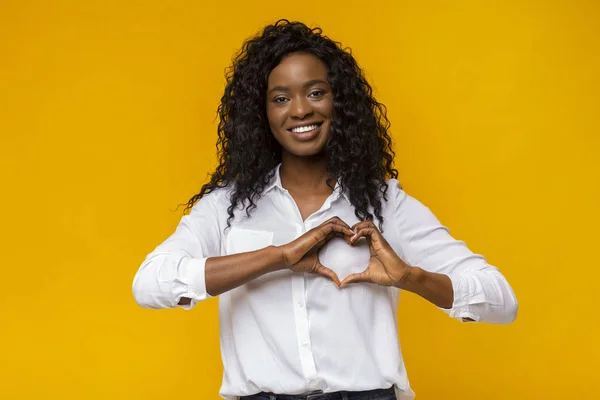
<point>107,121</point>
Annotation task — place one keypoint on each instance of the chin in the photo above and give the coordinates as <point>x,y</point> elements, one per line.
<point>307,149</point>
<point>310,148</point>
<point>306,153</point>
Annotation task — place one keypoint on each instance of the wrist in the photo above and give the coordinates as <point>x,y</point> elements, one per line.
<point>276,259</point>
<point>414,276</point>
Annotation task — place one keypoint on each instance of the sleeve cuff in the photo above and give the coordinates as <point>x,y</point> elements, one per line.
<point>482,298</point>
<point>460,307</point>
<point>193,277</point>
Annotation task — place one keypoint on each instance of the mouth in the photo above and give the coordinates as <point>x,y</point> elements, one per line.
<point>306,131</point>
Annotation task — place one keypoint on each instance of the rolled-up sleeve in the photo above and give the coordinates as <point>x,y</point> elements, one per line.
<point>481,292</point>
<point>175,269</point>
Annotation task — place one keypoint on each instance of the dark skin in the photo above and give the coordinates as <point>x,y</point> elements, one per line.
<point>299,94</point>
<point>299,98</point>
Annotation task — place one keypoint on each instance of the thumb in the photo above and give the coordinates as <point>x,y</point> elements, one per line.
<point>327,273</point>
<point>354,278</point>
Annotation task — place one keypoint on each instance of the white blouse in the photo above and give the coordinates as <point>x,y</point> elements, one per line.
<point>293,333</point>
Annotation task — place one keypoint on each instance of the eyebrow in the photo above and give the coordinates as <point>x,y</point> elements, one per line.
<point>306,84</point>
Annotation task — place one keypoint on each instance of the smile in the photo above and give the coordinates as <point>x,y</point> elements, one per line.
<point>306,132</point>
<point>300,129</point>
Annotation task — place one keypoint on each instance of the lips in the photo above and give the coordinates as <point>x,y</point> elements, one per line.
<point>305,132</point>
<point>305,127</point>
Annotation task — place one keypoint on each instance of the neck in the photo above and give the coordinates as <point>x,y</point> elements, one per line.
<point>304,174</point>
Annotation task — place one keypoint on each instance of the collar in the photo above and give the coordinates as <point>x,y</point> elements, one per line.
<point>276,182</point>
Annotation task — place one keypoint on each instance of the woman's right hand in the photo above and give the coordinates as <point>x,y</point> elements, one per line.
<point>301,254</point>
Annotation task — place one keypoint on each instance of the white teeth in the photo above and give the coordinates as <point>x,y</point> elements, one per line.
<point>304,128</point>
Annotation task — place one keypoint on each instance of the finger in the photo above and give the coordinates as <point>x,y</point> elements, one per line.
<point>362,224</point>
<point>321,234</point>
<point>332,228</point>
<point>355,278</point>
<point>343,232</point>
<point>341,226</point>
<point>323,242</point>
<point>317,237</point>
<point>363,232</point>
<point>327,273</point>
<point>338,221</point>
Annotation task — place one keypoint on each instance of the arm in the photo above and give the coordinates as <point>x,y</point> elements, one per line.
<point>224,273</point>
<point>228,272</point>
<point>479,291</point>
<point>188,266</point>
<point>433,287</point>
<point>174,273</point>
<point>300,255</point>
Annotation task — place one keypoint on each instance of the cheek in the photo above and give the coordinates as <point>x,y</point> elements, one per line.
<point>325,108</point>
<point>276,117</point>
<point>275,125</point>
<point>270,116</point>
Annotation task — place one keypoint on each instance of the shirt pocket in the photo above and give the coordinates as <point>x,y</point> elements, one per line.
<point>244,240</point>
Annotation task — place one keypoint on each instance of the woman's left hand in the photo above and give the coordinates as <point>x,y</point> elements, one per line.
<point>385,267</point>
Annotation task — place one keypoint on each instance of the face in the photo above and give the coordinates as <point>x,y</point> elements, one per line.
<point>299,104</point>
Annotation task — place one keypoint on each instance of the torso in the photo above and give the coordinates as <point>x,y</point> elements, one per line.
<point>301,328</point>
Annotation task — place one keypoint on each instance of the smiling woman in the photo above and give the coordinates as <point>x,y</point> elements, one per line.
<point>299,104</point>
<point>358,150</point>
<point>306,165</point>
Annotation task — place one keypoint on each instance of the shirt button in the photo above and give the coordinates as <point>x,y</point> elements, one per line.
<point>300,304</point>
<point>305,344</point>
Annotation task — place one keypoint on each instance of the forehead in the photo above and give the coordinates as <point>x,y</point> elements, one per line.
<point>298,68</point>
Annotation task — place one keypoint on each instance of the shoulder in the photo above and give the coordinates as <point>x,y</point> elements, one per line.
<point>395,194</point>
<point>216,200</point>
<point>394,186</point>
<point>402,203</point>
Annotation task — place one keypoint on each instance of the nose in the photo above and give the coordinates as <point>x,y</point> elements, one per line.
<point>300,108</point>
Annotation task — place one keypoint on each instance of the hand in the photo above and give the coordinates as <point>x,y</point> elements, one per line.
<point>301,255</point>
<point>385,267</point>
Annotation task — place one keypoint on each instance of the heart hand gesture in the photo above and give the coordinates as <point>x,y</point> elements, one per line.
<point>385,267</point>
<point>301,255</point>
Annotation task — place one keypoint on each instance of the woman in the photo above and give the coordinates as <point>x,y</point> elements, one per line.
<point>306,236</point>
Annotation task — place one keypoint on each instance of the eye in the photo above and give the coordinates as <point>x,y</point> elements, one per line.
<point>317,93</point>
<point>280,99</point>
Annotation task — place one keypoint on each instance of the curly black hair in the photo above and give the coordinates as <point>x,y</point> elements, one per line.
<point>359,150</point>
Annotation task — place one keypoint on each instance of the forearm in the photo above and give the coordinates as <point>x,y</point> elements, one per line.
<point>228,272</point>
<point>487,295</point>
<point>224,273</point>
<point>433,287</point>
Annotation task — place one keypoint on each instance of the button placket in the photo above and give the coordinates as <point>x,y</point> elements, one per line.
<point>301,319</point>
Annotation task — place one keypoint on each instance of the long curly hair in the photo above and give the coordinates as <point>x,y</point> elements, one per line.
<point>359,150</point>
